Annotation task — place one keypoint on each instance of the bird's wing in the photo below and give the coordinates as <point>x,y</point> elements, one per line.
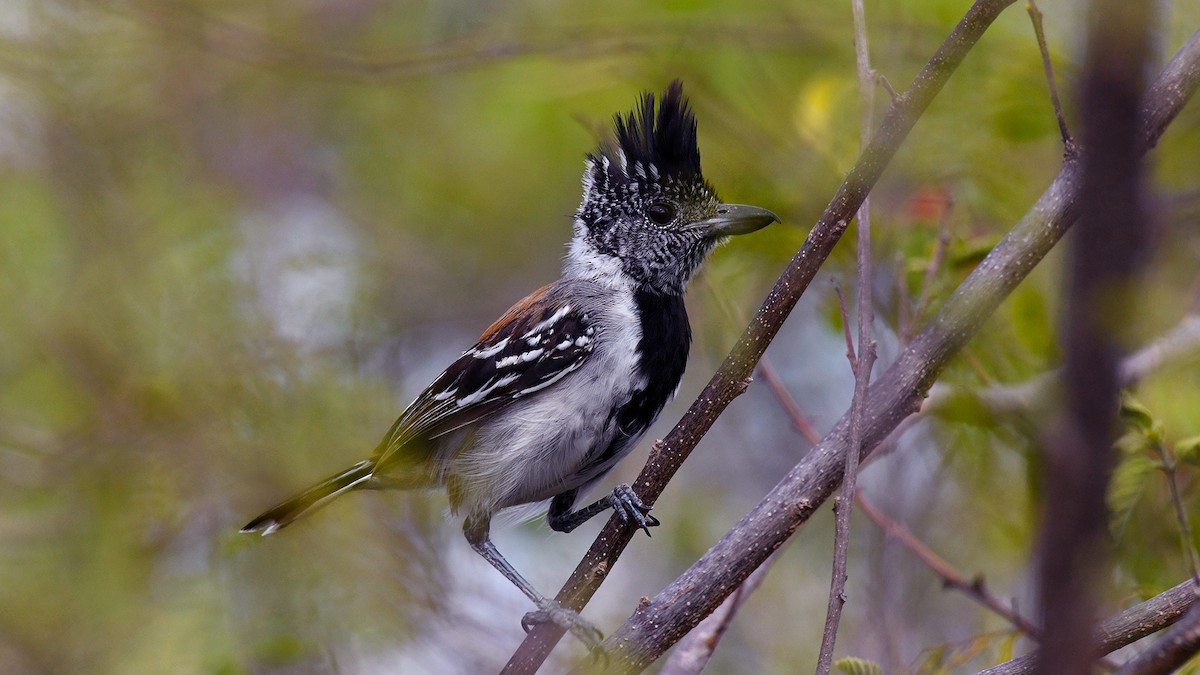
<point>540,340</point>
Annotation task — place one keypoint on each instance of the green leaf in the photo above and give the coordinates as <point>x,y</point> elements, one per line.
<point>852,665</point>
<point>1188,449</point>
<point>1157,433</point>
<point>1128,482</point>
<point>1132,443</point>
<point>1135,414</point>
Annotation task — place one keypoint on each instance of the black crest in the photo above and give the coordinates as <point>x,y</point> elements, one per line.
<point>654,143</point>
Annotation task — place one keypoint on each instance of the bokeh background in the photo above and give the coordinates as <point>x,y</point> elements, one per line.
<point>237,238</point>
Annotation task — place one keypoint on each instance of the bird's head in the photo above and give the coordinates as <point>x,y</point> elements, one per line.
<point>647,213</point>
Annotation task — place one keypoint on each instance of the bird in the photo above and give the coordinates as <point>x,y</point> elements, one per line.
<point>563,385</point>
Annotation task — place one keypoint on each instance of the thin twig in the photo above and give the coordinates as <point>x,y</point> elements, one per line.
<point>850,356</point>
<point>887,86</point>
<point>1035,16</point>
<point>974,588</point>
<point>1170,468</point>
<point>798,419</point>
<point>769,373</point>
<point>844,505</point>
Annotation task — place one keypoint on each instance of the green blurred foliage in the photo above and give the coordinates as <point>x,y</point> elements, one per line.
<point>236,238</point>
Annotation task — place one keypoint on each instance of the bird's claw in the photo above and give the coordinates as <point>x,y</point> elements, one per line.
<point>631,509</point>
<point>552,612</point>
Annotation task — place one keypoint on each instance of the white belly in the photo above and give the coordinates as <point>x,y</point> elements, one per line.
<point>540,447</point>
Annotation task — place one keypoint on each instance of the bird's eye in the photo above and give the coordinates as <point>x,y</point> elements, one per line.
<point>661,212</point>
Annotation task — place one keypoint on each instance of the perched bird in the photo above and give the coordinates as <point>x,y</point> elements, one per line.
<point>563,386</point>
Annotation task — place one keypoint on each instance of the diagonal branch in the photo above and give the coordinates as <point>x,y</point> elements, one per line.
<point>1121,629</point>
<point>659,622</point>
<point>731,379</point>
<point>1174,649</point>
<point>974,588</point>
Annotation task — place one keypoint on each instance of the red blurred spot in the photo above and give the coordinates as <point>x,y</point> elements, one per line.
<point>928,203</point>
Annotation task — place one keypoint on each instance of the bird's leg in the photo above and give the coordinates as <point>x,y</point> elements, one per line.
<point>477,533</point>
<point>623,500</point>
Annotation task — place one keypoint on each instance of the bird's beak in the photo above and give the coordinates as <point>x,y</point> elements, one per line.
<point>735,219</point>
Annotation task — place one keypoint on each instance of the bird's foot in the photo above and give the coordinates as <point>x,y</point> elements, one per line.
<point>550,611</point>
<point>632,510</point>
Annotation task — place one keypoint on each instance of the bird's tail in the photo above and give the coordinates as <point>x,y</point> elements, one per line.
<point>311,499</point>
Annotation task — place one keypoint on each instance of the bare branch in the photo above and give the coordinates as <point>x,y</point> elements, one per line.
<point>1035,15</point>
<point>862,365</point>
<point>1121,629</point>
<point>799,420</point>
<point>1174,649</point>
<point>974,588</point>
<point>887,86</point>
<point>850,355</point>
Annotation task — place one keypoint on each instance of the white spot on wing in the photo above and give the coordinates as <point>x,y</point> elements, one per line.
<point>489,352</point>
<point>482,393</point>
<point>542,385</point>
<point>548,323</point>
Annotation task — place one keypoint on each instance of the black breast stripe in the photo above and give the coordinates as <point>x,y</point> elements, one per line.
<point>666,338</point>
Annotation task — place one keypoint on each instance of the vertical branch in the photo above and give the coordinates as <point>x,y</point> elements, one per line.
<point>862,364</point>
<point>1103,261</point>
<point>1170,467</point>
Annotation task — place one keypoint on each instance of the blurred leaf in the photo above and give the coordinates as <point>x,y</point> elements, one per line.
<point>968,253</point>
<point>1188,449</point>
<point>1132,443</point>
<point>1125,489</point>
<point>1008,647</point>
<point>1135,414</point>
<point>852,665</point>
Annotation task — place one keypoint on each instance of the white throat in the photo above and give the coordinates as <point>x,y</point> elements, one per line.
<point>585,262</point>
